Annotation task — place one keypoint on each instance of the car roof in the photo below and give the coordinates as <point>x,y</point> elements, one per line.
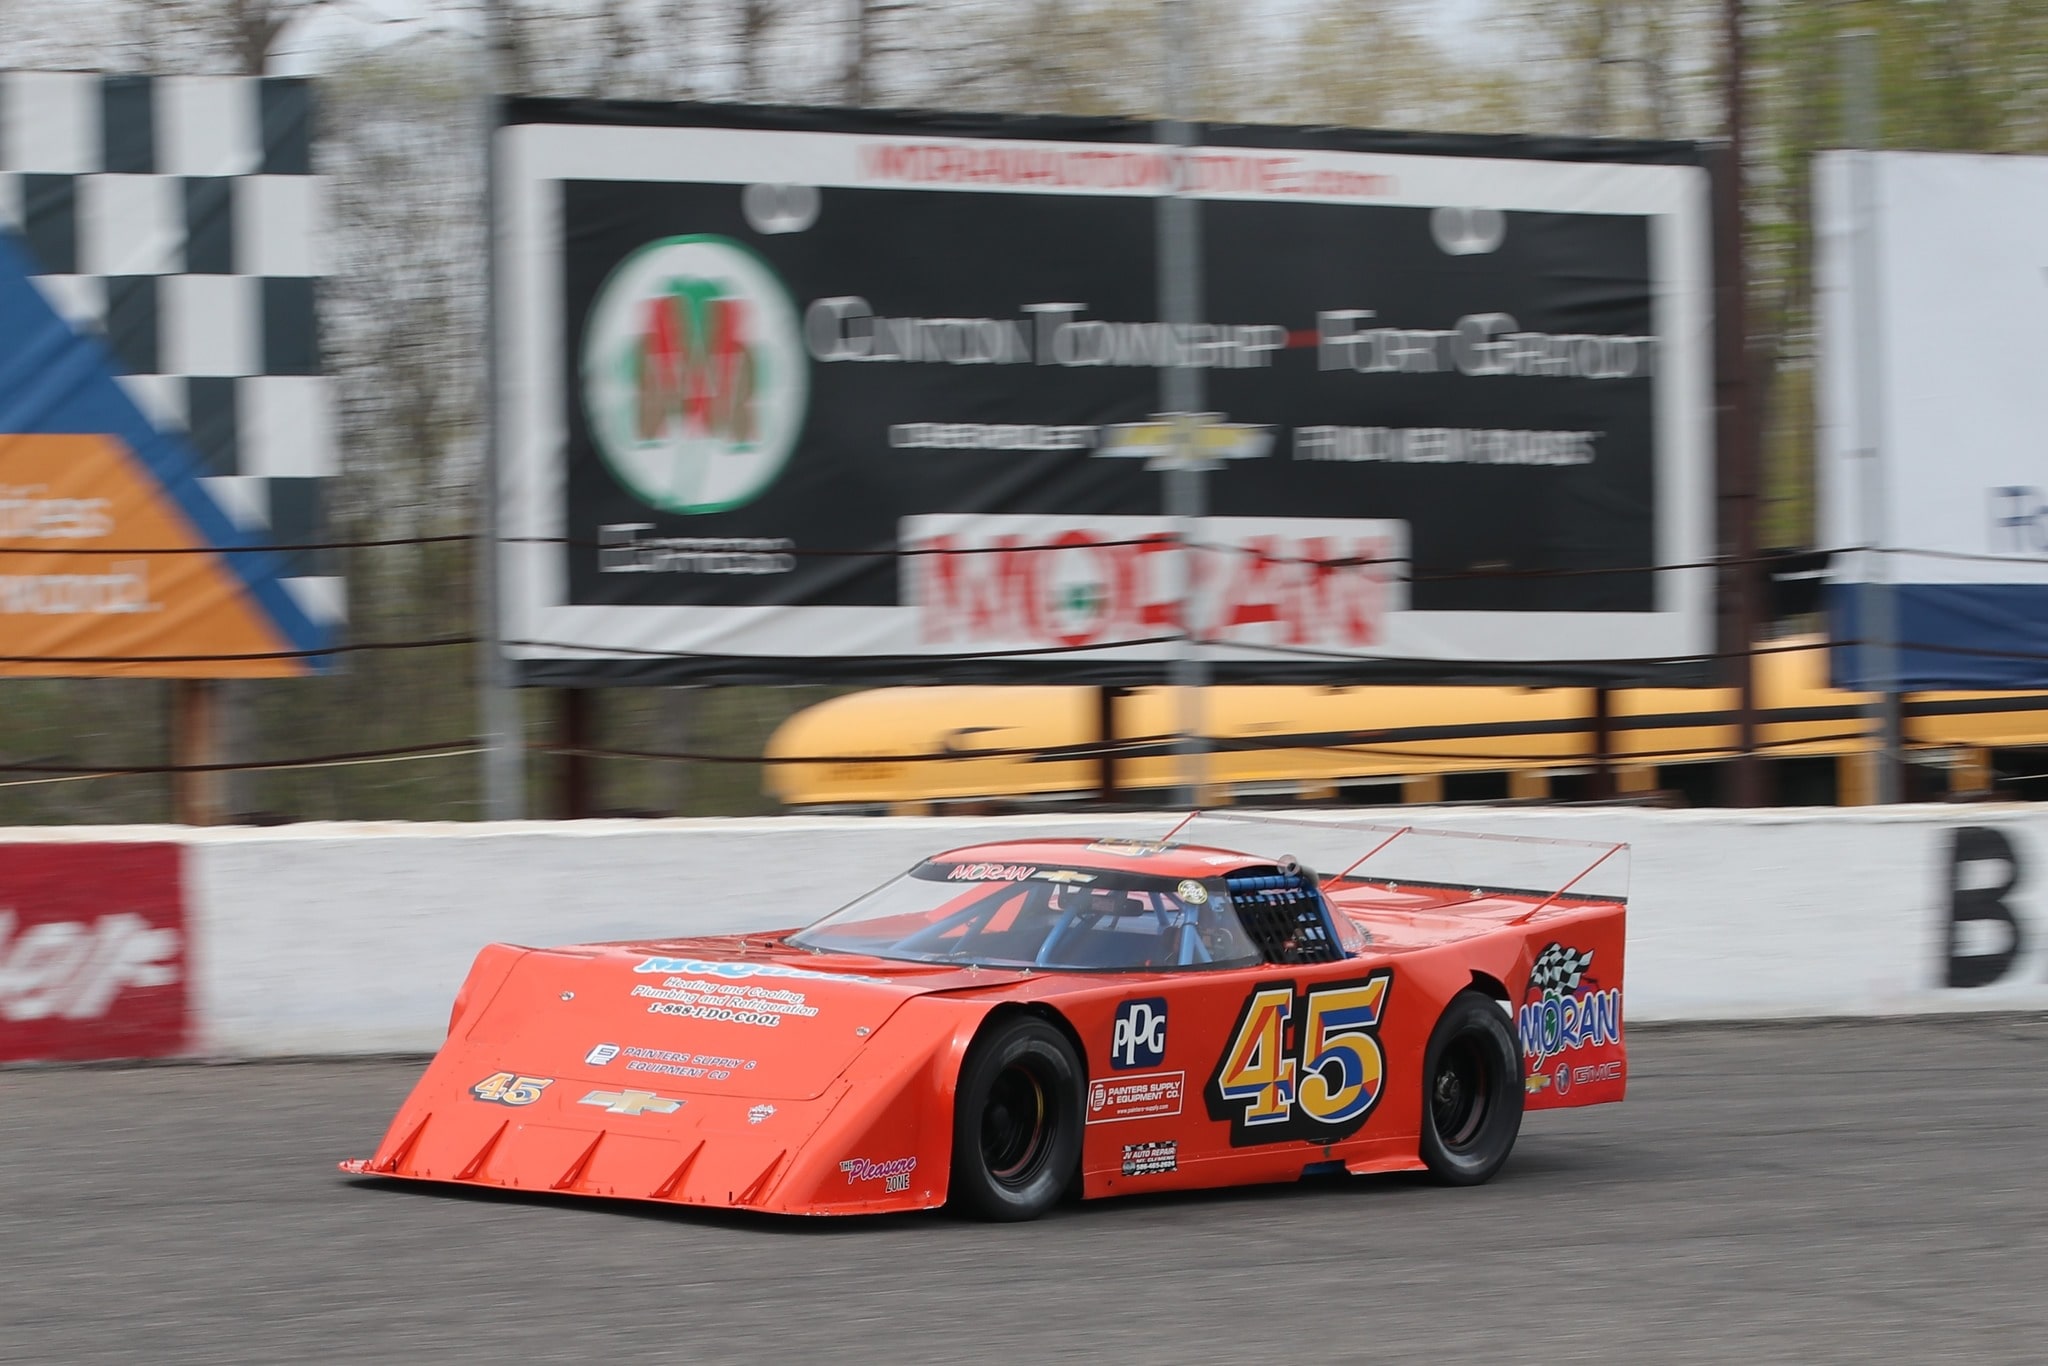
<point>1144,857</point>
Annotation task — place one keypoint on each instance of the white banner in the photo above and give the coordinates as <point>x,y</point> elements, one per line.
<point>1930,281</point>
<point>1955,317</point>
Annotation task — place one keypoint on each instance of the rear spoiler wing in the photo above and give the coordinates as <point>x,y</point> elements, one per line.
<point>1541,868</point>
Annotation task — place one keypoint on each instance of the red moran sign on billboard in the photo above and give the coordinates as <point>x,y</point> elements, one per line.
<point>1324,583</point>
<point>92,952</point>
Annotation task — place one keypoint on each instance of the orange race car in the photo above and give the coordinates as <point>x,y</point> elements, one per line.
<point>1008,1023</point>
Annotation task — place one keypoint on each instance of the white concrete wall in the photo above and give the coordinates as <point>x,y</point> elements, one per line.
<point>353,938</point>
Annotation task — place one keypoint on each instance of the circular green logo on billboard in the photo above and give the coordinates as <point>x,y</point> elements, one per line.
<point>693,374</point>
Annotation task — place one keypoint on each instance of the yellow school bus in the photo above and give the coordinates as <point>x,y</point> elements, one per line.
<point>990,748</point>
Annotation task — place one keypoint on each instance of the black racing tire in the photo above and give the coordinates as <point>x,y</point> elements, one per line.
<point>1471,1091</point>
<point>1016,1121</point>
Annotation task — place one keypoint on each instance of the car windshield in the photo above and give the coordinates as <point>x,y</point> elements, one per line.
<point>1025,915</point>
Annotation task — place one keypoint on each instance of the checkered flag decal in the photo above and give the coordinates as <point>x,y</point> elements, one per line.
<point>1558,968</point>
<point>178,219</point>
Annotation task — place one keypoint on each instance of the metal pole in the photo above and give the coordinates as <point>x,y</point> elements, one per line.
<point>195,736</point>
<point>1603,744</point>
<point>1105,730</point>
<point>1878,627</point>
<point>1738,432</point>
<point>576,733</point>
<point>498,708</point>
<point>1180,386</point>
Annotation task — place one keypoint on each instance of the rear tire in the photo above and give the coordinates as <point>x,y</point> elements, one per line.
<point>1471,1091</point>
<point>1016,1121</point>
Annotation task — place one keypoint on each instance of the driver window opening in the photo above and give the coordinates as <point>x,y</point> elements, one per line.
<point>1074,918</point>
<point>1286,918</point>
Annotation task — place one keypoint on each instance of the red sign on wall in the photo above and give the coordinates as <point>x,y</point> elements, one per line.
<point>92,952</point>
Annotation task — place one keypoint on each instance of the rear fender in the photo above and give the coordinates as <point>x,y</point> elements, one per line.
<point>1567,1003</point>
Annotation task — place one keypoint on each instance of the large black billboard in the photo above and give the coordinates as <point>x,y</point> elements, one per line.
<point>812,395</point>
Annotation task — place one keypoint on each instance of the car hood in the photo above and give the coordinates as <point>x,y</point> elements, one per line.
<point>724,1072</point>
<point>733,1015</point>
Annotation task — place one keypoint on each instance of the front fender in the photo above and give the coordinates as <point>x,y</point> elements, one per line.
<point>888,1142</point>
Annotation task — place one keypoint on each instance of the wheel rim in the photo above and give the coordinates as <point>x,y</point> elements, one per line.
<point>1459,1094</point>
<point>1016,1127</point>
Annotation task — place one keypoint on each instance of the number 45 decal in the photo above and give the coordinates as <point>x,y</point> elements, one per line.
<point>503,1088</point>
<point>1325,1088</point>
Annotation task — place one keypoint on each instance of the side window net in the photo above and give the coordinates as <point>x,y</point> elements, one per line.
<point>1284,915</point>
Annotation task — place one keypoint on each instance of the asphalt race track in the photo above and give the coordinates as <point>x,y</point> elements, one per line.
<point>1820,1193</point>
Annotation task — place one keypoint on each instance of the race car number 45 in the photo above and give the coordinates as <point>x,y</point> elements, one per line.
<point>503,1088</point>
<point>1324,1093</point>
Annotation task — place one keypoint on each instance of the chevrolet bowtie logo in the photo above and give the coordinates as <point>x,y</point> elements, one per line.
<point>631,1102</point>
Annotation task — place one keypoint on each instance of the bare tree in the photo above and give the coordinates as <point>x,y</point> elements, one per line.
<point>1619,68</point>
<point>36,34</point>
<point>1656,60</point>
<point>252,28</point>
<point>238,37</point>
<point>1375,66</point>
<point>865,46</point>
<point>620,41</point>
<point>753,23</point>
<point>1590,40</point>
<point>679,22</point>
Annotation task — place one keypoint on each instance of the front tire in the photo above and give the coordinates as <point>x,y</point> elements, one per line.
<point>1471,1091</point>
<point>1016,1120</point>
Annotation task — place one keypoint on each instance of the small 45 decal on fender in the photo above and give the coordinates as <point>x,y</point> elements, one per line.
<point>1303,1064</point>
<point>505,1088</point>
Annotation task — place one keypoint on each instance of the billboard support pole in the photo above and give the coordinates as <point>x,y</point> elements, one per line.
<point>576,736</point>
<point>1106,699</point>
<point>1877,649</point>
<point>1738,436</point>
<point>498,710</point>
<point>1180,386</point>
<point>196,788</point>
<point>1603,743</point>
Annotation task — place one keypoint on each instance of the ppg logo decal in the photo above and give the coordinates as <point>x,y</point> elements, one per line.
<point>1139,1039</point>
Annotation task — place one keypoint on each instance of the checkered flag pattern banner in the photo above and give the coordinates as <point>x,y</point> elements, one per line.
<point>178,219</point>
<point>1558,968</point>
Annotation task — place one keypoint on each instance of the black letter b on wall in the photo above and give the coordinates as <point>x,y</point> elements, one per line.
<point>1968,965</point>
